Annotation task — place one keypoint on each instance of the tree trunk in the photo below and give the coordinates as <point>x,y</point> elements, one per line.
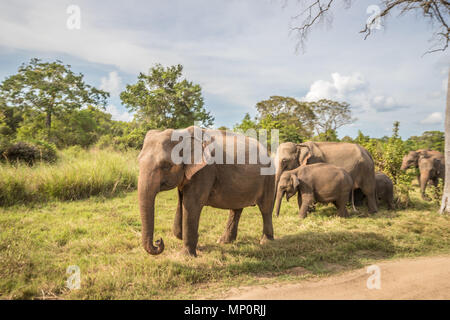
<point>445,205</point>
<point>48,121</point>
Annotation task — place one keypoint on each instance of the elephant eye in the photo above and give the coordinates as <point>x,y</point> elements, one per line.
<point>166,165</point>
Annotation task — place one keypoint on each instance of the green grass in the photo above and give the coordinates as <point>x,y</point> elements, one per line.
<point>102,236</point>
<point>76,175</point>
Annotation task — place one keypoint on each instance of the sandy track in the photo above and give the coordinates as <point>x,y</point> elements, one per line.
<point>420,278</point>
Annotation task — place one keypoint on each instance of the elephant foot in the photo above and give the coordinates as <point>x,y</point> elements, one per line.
<point>189,252</point>
<point>343,214</point>
<point>426,198</point>
<point>265,238</point>
<point>179,235</point>
<point>302,215</point>
<point>225,239</point>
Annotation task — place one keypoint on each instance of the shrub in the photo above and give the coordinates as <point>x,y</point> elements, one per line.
<point>29,152</point>
<point>21,151</point>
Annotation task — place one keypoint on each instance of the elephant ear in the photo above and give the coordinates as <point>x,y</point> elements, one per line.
<point>423,153</point>
<point>314,154</point>
<point>194,167</point>
<point>295,181</point>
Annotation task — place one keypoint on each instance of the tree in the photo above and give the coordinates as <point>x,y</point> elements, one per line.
<point>162,99</point>
<point>293,118</point>
<point>47,89</point>
<point>433,140</point>
<point>436,11</point>
<point>329,136</point>
<point>331,115</point>
<point>246,124</point>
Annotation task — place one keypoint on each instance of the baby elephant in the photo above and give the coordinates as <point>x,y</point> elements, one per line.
<point>319,182</point>
<point>384,191</point>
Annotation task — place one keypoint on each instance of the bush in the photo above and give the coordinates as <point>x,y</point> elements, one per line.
<point>29,152</point>
<point>21,151</point>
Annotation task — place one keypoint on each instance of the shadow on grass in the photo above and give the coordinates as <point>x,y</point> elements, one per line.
<point>317,252</point>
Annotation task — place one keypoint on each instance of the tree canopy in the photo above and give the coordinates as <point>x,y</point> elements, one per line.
<point>162,99</point>
<point>42,90</point>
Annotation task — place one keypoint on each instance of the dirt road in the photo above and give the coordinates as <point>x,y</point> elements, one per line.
<point>420,278</point>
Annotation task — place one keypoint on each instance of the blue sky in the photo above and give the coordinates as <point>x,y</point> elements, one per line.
<point>241,52</point>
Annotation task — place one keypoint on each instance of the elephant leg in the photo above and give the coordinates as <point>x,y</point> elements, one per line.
<point>231,229</point>
<point>177,228</point>
<point>266,211</point>
<point>435,181</point>
<point>191,218</point>
<point>390,201</point>
<point>306,201</point>
<point>195,196</point>
<point>424,177</point>
<point>341,205</point>
<point>299,201</point>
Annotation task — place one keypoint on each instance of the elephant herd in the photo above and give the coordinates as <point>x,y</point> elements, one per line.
<point>326,172</point>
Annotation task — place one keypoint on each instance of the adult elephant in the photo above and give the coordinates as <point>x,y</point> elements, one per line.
<point>202,181</point>
<point>431,166</point>
<point>356,160</point>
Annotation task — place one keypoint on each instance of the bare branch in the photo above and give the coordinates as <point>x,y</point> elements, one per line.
<point>437,13</point>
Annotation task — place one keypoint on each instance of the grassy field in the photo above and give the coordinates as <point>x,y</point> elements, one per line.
<point>78,174</point>
<point>101,235</point>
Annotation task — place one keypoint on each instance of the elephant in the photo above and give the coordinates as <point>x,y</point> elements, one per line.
<point>319,182</point>
<point>431,166</point>
<point>202,182</point>
<point>384,191</point>
<point>353,158</point>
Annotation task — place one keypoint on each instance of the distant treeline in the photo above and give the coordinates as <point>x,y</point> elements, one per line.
<point>46,106</point>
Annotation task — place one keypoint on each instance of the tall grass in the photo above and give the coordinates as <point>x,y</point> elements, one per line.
<point>78,174</point>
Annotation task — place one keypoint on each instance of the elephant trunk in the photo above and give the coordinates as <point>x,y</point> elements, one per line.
<point>404,166</point>
<point>279,197</point>
<point>147,191</point>
<point>277,180</point>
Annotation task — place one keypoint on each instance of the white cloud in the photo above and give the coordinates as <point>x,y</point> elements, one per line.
<point>433,118</point>
<point>118,115</point>
<point>112,83</point>
<point>353,89</point>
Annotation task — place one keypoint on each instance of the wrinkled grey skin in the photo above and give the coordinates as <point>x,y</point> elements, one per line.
<point>356,160</point>
<point>319,182</point>
<point>431,166</point>
<point>225,186</point>
<point>385,191</point>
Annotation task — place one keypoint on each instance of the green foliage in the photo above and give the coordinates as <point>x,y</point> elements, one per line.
<point>77,127</point>
<point>43,90</point>
<point>433,140</point>
<point>330,135</point>
<point>163,100</point>
<point>297,120</point>
<point>128,136</point>
<point>294,119</point>
<point>388,156</point>
<point>246,124</point>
